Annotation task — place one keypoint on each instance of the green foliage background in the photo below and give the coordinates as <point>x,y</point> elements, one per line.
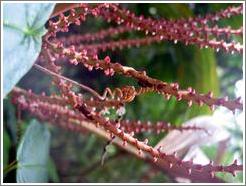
<point>76,157</point>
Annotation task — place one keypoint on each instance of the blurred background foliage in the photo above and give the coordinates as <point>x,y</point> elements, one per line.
<point>76,157</point>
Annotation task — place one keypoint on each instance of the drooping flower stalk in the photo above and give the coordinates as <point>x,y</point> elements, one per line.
<point>185,31</point>
<point>113,45</point>
<point>190,95</point>
<point>156,154</point>
<point>90,37</point>
<point>176,31</point>
<point>222,14</point>
<point>77,39</point>
<point>61,116</point>
<point>123,43</point>
<point>128,138</point>
<point>44,107</point>
<point>157,127</point>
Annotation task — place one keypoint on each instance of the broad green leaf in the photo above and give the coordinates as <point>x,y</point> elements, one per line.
<point>33,154</point>
<point>23,27</point>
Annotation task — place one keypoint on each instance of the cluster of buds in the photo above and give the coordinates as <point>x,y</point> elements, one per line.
<point>63,23</point>
<point>76,16</point>
<point>108,71</point>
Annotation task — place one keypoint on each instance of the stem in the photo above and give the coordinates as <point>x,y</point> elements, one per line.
<point>97,164</point>
<point>10,167</point>
<point>45,70</point>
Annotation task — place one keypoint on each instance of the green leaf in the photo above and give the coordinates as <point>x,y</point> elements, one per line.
<point>6,147</point>
<point>33,154</point>
<point>52,171</point>
<point>200,73</point>
<point>23,28</point>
